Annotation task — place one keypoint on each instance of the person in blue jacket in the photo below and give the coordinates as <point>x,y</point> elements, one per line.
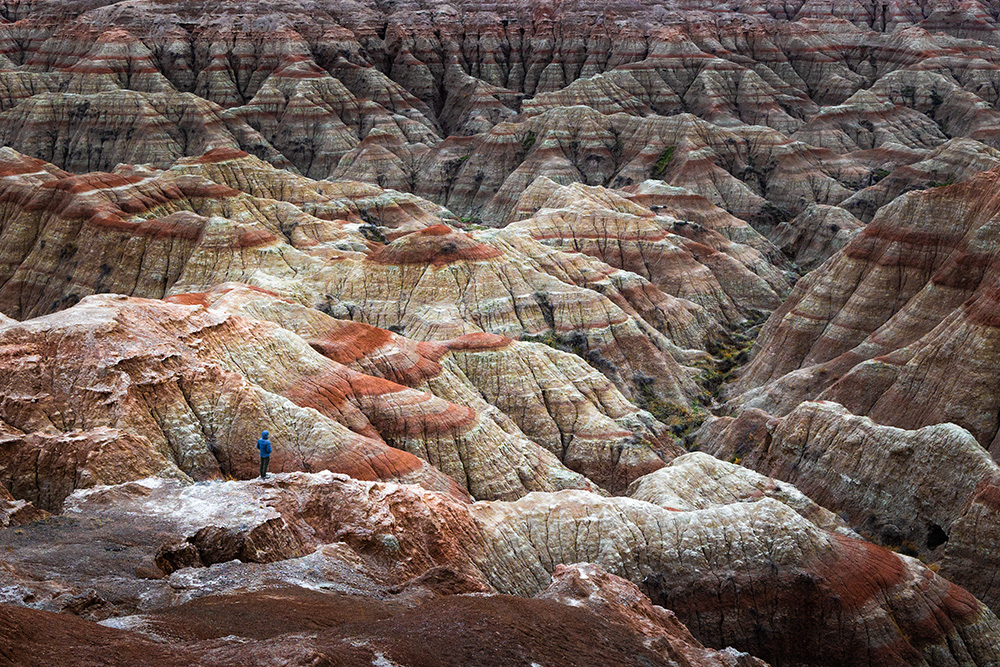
<point>264,447</point>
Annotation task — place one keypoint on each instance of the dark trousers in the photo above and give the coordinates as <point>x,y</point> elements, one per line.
<point>264,460</point>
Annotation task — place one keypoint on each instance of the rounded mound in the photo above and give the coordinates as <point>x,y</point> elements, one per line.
<point>436,245</point>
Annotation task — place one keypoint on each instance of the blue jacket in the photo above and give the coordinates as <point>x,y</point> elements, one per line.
<point>264,446</point>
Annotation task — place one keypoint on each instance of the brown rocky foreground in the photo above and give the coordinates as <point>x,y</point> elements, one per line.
<point>157,551</point>
<point>611,621</point>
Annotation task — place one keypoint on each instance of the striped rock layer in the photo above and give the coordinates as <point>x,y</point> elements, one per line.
<point>728,570</point>
<point>481,268</point>
<point>901,324</point>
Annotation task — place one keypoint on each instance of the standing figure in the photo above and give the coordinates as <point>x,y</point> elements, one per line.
<point>264,447</point>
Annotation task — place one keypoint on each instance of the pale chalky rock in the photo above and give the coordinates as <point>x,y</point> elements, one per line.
<point>728,572</point>
<point>920,491</point>
<point>697,481</point>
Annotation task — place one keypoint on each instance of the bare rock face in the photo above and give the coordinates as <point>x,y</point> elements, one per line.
<point>843,128</point>
<point>684,260</point>
<point>503,291</point>
<point>879,327</point>
<point>212,221</point>
<point>920,491</point>
<point>617,600</point>
<point>697,481</point>
<point>162,401</point>
<point>955,160</point>
<point>97,131</point>
<point>816,234</point>
<point>483,269</point>
<point>400,95</point>
<point>325,411</point>
<point>761,557</point>
<point>15,512</point>
<point>824,595</point>
<point>559,402</point>
<point>45,468</point>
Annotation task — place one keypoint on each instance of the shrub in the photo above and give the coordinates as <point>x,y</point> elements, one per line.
<point>372,233</point>
<point>663,161</point>
<point>529,140</point>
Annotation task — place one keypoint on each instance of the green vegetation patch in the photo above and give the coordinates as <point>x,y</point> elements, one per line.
<point>529,140</point>
<point>680,419</point>
<point>574,343</point>
<point>372,233</point>
<point>663,161</point>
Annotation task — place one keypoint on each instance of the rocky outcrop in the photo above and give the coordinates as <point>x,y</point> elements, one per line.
<point>619,601</point>
<point>400,95</point>
<point>409,286</point>
<point>482,270</point>
<point>44,468</point>
<point>165,387</point>
<point>848,560</point>
<point>684,260</point>
<point>15,512</point>
<point>816,234</point>
<point>761,557</point>
<point>308,627</point>
<point>200,225</point>
<point>898,325</point>
<point>96,132</point>
<point>697,481</point>
<point>954,161</point>
<point>922,492</point>
<point>558,401</point>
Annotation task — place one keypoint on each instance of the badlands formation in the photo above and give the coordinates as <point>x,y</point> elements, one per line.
<point>588,333</point>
